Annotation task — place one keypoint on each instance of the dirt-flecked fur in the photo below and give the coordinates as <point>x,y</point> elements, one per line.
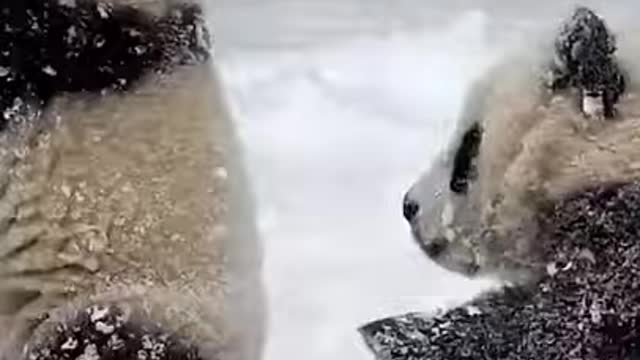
<point>126,195</point>
<point>586,306</point>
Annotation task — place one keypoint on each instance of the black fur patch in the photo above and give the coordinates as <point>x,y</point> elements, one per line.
<point>464,167</point>
<point>586,308</point>
<point>584,59</point>
<point>48,47</point>
<point>103,333</point>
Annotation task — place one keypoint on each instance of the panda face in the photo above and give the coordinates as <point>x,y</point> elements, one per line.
<point>522,144</point>
<point>441,210</point>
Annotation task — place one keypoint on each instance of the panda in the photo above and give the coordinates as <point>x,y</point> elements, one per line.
<point>533,130</point>
<point>541,190</point>
<point>126,221</point>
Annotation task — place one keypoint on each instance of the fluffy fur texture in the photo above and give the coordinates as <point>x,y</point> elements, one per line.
<point>584,59</point>
<point>522,146</point>
<point>52,47</point>
<point>586,308</point>
<point>126,229</point>
<point>553,209</point>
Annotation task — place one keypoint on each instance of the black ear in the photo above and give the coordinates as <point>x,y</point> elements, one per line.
<point>585,59</point>
<point>464,161</point>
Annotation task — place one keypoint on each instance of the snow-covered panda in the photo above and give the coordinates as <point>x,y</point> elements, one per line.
<point>126,221</point>
<point>541,188</point>
<point>534,129</point>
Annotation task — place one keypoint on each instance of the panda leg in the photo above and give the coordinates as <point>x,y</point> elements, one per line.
<point>492,327</point>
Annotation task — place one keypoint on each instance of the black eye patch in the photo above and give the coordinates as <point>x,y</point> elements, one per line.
<point>464,166</point>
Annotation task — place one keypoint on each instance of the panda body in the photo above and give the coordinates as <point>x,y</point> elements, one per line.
<point>126,222</point>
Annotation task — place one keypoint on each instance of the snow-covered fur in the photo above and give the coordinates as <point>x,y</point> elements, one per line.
<point>126,222</point>
<point>554,206</point>
<point>524,142</point>
<point>586,307</point>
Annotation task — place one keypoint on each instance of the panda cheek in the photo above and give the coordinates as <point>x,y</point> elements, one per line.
<point>446,217</point>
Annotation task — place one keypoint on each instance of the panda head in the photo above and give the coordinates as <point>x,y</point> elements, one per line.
<point>450,208</point>
<point>440,206</point>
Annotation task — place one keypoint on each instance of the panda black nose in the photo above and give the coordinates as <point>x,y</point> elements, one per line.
<point>435,247</point>
<point>410,208</point>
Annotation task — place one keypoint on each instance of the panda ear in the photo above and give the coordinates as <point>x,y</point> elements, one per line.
<point>464,161</point>
<point>585,59</point>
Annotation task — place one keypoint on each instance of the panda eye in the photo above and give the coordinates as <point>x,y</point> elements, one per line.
<point>464,167</point>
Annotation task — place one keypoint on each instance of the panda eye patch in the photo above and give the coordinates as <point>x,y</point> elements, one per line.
<point>464,168</point>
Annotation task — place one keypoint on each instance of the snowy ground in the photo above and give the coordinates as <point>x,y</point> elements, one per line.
<point>339,118</point>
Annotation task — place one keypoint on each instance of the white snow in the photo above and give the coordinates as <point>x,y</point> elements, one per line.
<point>335,133</point>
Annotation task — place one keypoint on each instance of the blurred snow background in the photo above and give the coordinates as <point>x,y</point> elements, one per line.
<point>341,105</point>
